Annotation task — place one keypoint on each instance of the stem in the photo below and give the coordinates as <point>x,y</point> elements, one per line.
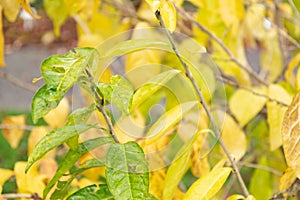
<point>204,104</point>
<point>101,108</point>
<point>222,45</point>
<point>15,81</point>
<point>34,196</point>
<point>19,127</point>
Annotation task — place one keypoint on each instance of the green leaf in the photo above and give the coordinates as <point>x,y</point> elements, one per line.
<point>44,101</point>
<point>97,162</point>
<point>72,156</point>
<point>62,189</point>
<point>261,184</point>
<point>105,90</point>
<point>91,193</point>
<point>127,171</point>
<point>207,186</point>
<point>152,86</point>
<point>130,46</point>
<point>177,169</point>
<point>54,139</point>
<point>62,72</point>
<point>168,120</point>
<point>121,95</point>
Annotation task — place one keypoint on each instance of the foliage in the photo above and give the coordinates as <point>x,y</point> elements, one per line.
<point>159,128</point>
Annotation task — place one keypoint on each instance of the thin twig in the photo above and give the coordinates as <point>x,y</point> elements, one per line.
<point>34,196</point>
<point>228,81</point>
<point>15,81</point>
<point>20,127</point>
<point>101,108</point>
<point>265,168</point>
<point>82,24</point>
<point>246,68</point>
<point>204,104</point>
<point>278,26</point>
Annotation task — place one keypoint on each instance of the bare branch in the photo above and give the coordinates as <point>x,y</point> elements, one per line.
<point>15,81</point>
<point>204,104</point>
<point>20,127</point>
<point>101,108</point>
<point>246,68</point>
<point>34,196</point>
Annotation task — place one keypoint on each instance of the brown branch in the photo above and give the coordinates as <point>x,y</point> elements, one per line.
<point>246,68</point>
<point>228,81</point>
<point>15,81</point>
<point>20,127</point>
<point>204,104</point>
<point>101,108</point>
<point>34,196</point>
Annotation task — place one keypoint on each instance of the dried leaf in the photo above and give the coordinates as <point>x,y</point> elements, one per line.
<point>291,135</point>
<point>13,135</point>
<point>287,179</point>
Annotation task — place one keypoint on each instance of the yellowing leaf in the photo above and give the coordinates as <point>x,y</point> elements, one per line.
<point>198,3</point>
<point>57,117</point>
<point>261,181</point>
<point>236,197</point>
<point>167,121</point>
<point>2,62</point>
<point>207,186</point>
<point>32,182</point>
<point>26,6</point>
<point>291,135</point>
<point>168,14</point>
<point>13,135</point>
<point>154,4</point>
<point>231,11</point>
<point>245,105</point>
<point>57,12</point>
<point>289,74</point>
<point>75,6</point>
<point>234,138</point>
<point>287,179</point>
<point>11,9</point>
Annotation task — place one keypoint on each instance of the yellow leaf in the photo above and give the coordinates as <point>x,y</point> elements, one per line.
<point>2,62</point>
<point>154,4</point>
<point>291,135</point>
<point>136,63</point>
<point>198,3</point>
<point>26,6</point>
<point>276,113</point>
<point>5,175</point>
<point>236,197</point>
<point>168,121</point>
<point>232,11</point>
<point>207,186</point>
<point>287,179</point>
<point>130,127</point>
<point>250,197</point>
<point>233,137</point>
<point>32,182</point>
<point>168,14</point>
<point>245,105</point>
<point>93,173</point>
<point>57,12</point>
<point>36,135</point>
<point>91,40</point>
<point>57,117</point>
<point>289,74</point>
<point>11,9</point>
<point>74,6</point>
<point>157,179</point>
<point>13,135</point>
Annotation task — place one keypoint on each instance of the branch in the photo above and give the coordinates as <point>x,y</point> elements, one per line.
<point>34,196</point>
<point>15,81</point>
<point>101,109</point>
<point>235,84</point>
<point>246,68</point>
<point>20,127</point>
<point>204,104</point>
